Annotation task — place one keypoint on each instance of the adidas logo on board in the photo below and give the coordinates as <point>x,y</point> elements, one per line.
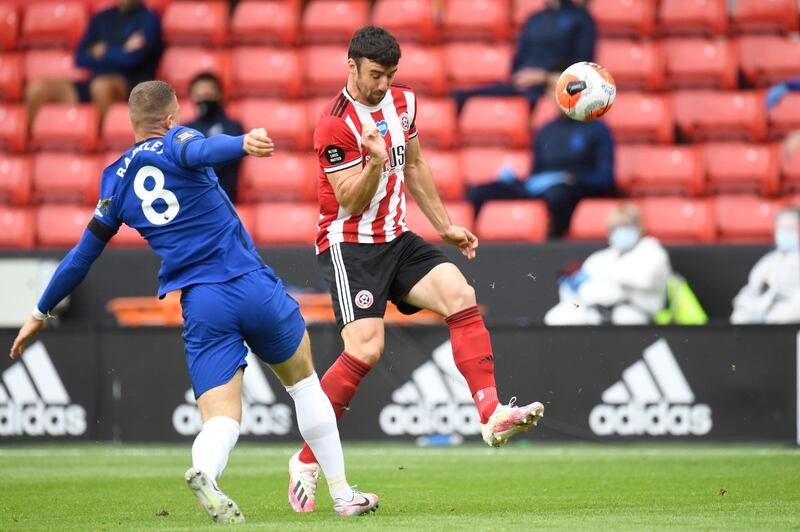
<point>653,398</point>
<point>435,401</point>
<point>260,412</point>
<point>33,400</point>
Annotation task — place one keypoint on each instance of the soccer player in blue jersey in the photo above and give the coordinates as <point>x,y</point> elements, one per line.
<point>165,188</point>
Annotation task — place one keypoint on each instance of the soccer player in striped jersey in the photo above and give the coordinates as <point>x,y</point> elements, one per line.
<point>366,141</point>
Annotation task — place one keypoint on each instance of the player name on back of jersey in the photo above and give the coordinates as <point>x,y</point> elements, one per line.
<point>155,146</point>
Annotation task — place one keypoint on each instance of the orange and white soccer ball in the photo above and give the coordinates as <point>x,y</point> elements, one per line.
<point>585,91</point>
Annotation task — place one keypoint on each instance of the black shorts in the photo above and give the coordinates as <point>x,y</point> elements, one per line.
<point>362,277</point>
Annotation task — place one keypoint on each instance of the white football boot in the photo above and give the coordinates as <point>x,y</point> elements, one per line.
<point>216,504</point>
<point>303,480</point>
<point>360,503</point>
<point>508,420</point>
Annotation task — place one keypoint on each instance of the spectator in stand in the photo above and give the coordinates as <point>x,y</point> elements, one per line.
<point>624,284</point>
<point>774,96</point>
<point>551,40</point>
<point>772,292</point>
<point>121,47</point>
<point>205,91</point>
<point>571,160</point>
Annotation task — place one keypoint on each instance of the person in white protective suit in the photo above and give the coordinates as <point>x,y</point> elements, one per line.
<point>772,292</point>
<point>624,284</point>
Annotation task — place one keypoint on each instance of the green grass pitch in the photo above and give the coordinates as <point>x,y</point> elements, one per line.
<point>538,486</point>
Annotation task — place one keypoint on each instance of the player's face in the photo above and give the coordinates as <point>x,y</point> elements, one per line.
<point>373,80</point>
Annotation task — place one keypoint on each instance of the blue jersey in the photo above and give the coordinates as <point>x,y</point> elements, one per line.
<point>179,209</point>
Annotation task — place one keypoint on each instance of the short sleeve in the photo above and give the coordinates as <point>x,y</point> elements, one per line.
<point>107,211</point>
<point>413,111</point>
<point>337,144</point>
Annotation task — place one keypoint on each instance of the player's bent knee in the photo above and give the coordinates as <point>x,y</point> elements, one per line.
<point>462,297</point>
<point>369,352</point>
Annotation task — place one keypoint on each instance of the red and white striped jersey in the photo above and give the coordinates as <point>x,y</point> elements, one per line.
<point>337,140</point>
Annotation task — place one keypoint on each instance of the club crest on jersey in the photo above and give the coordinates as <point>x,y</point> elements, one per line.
<point>405,121</point>
<point>383,127</point>
<point>364,299</point>
<point>103,206</point>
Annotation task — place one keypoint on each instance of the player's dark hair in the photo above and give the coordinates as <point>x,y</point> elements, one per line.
<point>206,76</point>
<point>375,44</point>
<point>149,102</point>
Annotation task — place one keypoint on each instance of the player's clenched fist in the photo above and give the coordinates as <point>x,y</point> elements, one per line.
<point>257,143</point>
<point>373,141</point>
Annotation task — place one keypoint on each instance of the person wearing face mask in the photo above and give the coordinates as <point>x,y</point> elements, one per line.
<point>772,292</point>
<point>205,91</point>
<point>624,284</point>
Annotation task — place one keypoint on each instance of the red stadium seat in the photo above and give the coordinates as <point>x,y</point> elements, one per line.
<point>265,22</point>
<point>679,220</point>
<point>423,69</point>
<point>447,172</point>
<point>524,9</point>
<point>481,165</point>
<point>325,70</point>
<point>626,159</point>
<point>314,107</point>
<point>52,64</point>
<point>286,122</point>
<point>179,65</point>
<point>262,71</point>
<point>784,117</point>
<point>472,64</point>
<point>477,19</point>
<point>127,237</point>
<point>61,226</point>
<point>745,218</point>
<point>117,132</point>
<point>486,120</point>
<point>194,22</point>
<point>333,21</point>
<point>407,19</point>
<point>460,214</point>
<point>13,127</point>
<point>16,228</point>
<point>768,59</point>
<point>9,27</point>
<point>15,179</point>
<point>286,176</point>
<point>159,6</point>
<point>545,111</point>
<point>286,224</point>
<point>436,122</point>
<point>11,77</point>
<point>720,115</point>
<point>697,62</point>
<point>624,18</point>
<point>66,177</point>
<point>742,167</point>
<point>635,64</point>
<point>667,170</point>
<point>765,16</point>
<point>513,221</point>
<point>57,23</point>
<point>693,17</point>
<point>790,168</point>
<point>641,117</point>
<point>66,126</point>
<point>590,219</point>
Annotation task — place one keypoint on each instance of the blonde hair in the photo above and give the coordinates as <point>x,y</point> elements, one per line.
<point>626,213</point>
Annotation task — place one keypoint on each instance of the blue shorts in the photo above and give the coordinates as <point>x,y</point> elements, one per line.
<point>219,317</point>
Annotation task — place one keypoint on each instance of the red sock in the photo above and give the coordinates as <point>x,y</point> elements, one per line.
<point>472,352</point>
<point>339,383</point>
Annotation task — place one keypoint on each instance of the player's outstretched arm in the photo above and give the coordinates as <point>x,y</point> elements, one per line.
<point>200,152</point>
<point>355,187</point>
<point>419,180</point>
<point>68,276</point>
